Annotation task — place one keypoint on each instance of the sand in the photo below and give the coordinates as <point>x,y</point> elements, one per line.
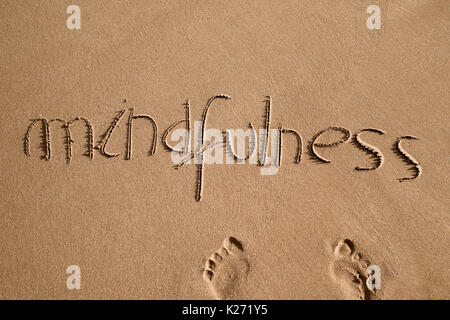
<point>310,231</point>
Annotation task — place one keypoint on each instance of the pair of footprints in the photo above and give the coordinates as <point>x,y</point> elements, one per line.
<point>226,270</point>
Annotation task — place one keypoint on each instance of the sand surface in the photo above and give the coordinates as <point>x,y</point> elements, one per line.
<point>134,226</point>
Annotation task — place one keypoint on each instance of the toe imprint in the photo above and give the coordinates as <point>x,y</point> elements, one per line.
<point>344,248</point>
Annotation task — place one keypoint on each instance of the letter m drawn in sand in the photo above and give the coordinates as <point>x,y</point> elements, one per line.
<point>68,137</point>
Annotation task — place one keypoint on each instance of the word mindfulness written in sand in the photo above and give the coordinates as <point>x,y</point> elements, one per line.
<point>240,146</point>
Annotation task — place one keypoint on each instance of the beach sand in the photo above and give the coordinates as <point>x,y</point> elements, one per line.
<point>309,231</point>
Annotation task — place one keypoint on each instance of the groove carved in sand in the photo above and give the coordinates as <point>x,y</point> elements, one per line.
<point>251,147</point>
<point>46,143</point>
<point>187,122</point>
<point>132,117</point>
<point>408,158</point>
<point>323,145</point>
<point>369,148</point>
<point>68,142</point>
<point>298,158</point>
<point>265,143</point>
<point>104,143</point>
<point>200,166</point>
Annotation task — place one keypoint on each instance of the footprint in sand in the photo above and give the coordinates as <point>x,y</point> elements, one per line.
<point>349,270</point>
<point>226,270</point>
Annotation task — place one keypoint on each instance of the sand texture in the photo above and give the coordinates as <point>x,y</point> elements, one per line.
<point>87,178</point>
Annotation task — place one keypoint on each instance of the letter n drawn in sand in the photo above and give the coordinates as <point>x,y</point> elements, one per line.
<point>131,118</point>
